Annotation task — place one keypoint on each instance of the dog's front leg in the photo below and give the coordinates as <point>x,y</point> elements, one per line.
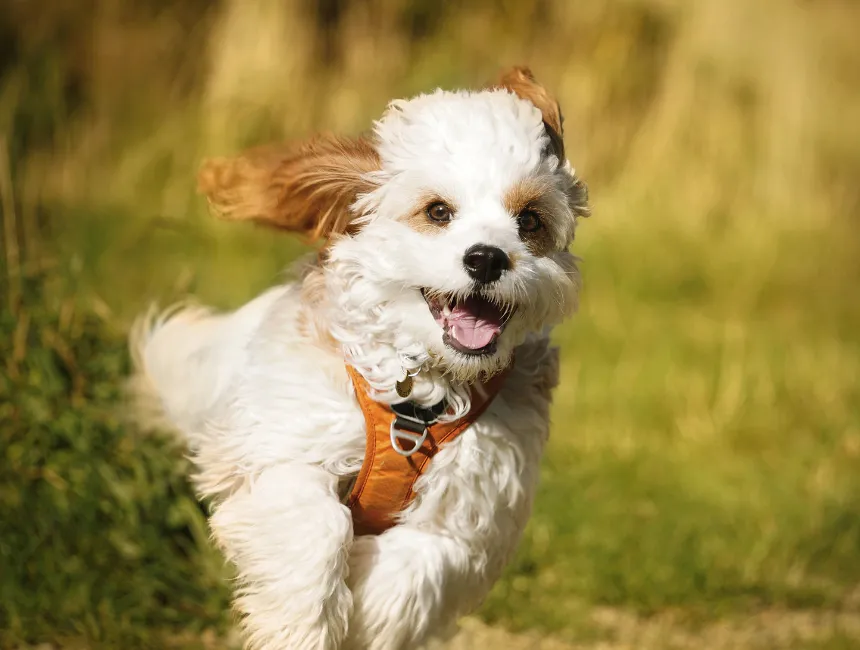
<point>289,537</point>
<point>407,586</point>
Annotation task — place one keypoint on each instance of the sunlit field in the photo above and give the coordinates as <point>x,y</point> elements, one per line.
<point>702,486</point>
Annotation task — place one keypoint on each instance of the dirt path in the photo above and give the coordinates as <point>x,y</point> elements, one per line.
<point>773,629</point>
<point>768,630</point>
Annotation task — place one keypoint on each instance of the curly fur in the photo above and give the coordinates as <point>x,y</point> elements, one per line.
<point>263,401</point>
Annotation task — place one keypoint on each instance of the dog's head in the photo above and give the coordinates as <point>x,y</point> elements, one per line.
<point>448,227</point>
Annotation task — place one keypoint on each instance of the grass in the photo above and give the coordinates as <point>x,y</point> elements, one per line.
<point>102,537</point>
<point>703,467</point>
<point>705,452</point>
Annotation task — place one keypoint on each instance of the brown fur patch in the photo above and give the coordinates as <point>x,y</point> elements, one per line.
<point>525,194</point>
<point>304,188</point>
<point>542,241</point>
<point>520,81</point>
<point>419,221</point>
<point>535,194</point>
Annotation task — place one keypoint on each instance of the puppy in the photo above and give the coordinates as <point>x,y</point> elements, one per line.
<point>445,265</point>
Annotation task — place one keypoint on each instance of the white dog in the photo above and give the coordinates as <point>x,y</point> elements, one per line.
<point>445,265</point>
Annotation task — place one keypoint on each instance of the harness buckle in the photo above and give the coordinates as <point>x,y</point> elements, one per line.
<point>397,434</point>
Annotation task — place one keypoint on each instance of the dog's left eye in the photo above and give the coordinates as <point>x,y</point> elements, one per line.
<point>439,212</point>
<point>528,221</point>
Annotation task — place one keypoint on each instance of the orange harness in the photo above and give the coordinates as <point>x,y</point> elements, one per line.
<point>385,483</point>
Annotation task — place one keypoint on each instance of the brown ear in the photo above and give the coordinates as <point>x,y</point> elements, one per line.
<point>307,188</point>
<point>520,81</point>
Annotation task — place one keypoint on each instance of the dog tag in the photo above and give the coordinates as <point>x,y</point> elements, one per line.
<point>404,387</point>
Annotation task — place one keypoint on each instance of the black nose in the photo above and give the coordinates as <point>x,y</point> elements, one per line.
<point>486,263</point>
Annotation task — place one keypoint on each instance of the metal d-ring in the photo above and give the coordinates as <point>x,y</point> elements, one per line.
<point>398,434</point>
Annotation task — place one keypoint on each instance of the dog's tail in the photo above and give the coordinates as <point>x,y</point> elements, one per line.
<point>184,361</point>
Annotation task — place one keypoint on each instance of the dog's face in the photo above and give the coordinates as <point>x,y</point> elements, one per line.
<point>458,227</point>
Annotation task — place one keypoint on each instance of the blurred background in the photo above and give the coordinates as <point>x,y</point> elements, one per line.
<point>702,486</point>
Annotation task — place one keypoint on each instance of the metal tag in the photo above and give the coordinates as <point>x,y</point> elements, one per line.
<point>404,387</point>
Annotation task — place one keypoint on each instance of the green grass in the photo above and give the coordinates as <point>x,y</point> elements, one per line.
<point>102,539</point>
<point>706,450</point>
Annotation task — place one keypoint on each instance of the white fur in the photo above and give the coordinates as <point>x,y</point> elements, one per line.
<point>270,416</point>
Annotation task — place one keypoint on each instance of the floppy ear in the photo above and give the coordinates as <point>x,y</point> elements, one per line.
<point>307,188</point>
<point>520,81</point>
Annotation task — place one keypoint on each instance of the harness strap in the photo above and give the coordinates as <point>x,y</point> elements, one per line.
<point>386,481</point>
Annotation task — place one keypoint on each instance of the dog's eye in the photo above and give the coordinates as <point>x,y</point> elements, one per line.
<point>439,212</point>
<point>528,221</point>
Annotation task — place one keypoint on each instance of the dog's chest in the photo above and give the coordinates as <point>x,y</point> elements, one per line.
<point>480,486</point>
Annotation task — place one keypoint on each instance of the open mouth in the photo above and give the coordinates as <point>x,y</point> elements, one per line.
<point>470,325</point>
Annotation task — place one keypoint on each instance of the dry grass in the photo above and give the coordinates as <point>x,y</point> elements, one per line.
<point>692,115</point>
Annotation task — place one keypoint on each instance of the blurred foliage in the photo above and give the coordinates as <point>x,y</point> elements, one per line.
<point>705,449</point>
<point>101,538</point>
<point>705,457</point>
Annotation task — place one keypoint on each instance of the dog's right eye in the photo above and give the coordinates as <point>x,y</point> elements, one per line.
<point>439,212</point>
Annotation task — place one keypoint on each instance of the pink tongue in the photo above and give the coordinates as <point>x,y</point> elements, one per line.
<point>474,322</point>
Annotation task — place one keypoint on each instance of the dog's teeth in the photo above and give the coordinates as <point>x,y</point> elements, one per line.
<point>446,311</point>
